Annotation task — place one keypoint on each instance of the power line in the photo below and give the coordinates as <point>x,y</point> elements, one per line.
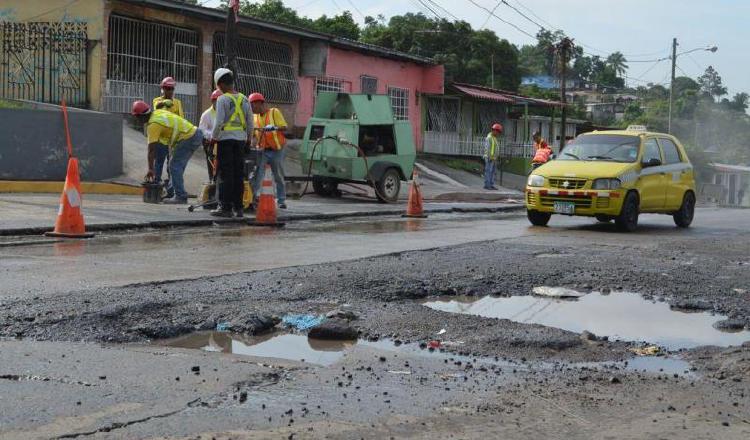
<point>443,9</point>
<point>521,14</point>
<point>356,9</point>
<point>430,9</point>
<point>497,5</point>
<point>503,20</point>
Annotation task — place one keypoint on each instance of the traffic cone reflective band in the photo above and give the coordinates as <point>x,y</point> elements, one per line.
<point>415,205</point>
<point>265,214</point>
<point>69,221</point>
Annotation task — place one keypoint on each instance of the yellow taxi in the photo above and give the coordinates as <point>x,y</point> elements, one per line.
<point>615,175</point>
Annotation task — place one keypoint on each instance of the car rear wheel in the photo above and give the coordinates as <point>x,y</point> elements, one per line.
<point>628,219</point>
<point>388,187</point>
<point>684,216</point>
<point>538,218</point>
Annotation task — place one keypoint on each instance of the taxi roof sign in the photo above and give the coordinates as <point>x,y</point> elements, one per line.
<point>636,128</point>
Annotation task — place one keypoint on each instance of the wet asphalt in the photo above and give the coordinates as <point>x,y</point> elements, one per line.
<point>524,380</point>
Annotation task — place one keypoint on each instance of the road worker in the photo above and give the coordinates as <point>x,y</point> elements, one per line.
<point>206,124</point>
<point>542,154</point>
<point>179,135</point>
<point>539,142</point>
<point>165,101</point>
<point>491,153</point>
<point>270,140</point>
<point>233,130</point>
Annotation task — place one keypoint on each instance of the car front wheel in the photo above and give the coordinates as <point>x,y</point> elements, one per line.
<point>538,218</point>
<point>684,216</point>
<point>628,219</point>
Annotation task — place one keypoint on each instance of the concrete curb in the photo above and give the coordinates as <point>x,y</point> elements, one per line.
<point>163,224</point>
<point>30,186</point>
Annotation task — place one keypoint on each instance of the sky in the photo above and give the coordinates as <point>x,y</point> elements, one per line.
<point>641,29</point>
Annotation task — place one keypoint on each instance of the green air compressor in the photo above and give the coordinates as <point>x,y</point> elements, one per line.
<point>354,138</point>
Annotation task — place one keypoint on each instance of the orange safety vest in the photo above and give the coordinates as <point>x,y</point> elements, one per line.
<point>271,140</point>
<point>542,155</point>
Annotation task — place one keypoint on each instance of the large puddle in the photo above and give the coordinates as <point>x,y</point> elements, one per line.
<point>623,316</point>
<point>296,347</point>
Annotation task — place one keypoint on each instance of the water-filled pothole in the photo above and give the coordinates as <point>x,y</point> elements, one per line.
<point>622,315</point>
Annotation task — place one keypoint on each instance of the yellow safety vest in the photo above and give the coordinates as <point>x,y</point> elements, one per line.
<point>175,108</point>
<point>237,121</point>
<point>178,125</point>
<point>493,145</point>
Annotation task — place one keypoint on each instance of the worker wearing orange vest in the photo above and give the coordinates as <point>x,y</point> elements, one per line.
<point>542,152</point>
<point>270,140</point>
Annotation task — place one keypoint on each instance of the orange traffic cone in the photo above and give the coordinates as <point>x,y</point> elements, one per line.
<point>415,206</point>
<point>265,214</point>
<point>70,222</point>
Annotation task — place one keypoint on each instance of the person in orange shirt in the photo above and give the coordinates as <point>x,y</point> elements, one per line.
<point>270,140</point>
<point>542,153</point>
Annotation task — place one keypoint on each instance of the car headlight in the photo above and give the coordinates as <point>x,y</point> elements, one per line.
<point>606,184</point>
<point>535,180</point>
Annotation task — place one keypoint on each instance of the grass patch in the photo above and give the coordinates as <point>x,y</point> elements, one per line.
<point>4,103</point>
<point>472,166</point>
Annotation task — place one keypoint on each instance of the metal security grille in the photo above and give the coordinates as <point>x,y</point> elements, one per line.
<point>399,102</point>
<point>328,84</point>
<point>368,84</point>
<point>443,114</point>
<point>44,62</point>
<point>140,54</point>
<point>488,113</point>
<point>264,66</point>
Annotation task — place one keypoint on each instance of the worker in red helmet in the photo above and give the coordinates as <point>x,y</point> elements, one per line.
<point>232,132</point>
<point>270,140</point>
<point>179,135</point>
<point>491,154</point>
<point>165,101</point>
<point>206,124</point>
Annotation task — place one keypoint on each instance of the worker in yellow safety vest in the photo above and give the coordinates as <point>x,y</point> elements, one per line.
<point>179,135</point>
<point>491,153</point>
<point>232,132</point>
<point>165,101</point>
<point>270,140</point>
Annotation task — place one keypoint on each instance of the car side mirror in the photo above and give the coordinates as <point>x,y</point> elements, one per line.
<point>653,162</point>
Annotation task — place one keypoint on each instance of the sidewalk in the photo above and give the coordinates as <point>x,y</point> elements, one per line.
<point>30,214</point>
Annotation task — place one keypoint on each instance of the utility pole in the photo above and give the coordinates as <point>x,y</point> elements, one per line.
<point>563,49</point>
<point>492,57</point>
<point>671,84</point>
<point>230,37</point>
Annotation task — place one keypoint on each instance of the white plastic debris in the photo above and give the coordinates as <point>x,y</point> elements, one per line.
<point>557,292</point>
<point>442,331</point>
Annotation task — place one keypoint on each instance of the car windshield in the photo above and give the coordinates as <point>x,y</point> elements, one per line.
<point>603,147</point>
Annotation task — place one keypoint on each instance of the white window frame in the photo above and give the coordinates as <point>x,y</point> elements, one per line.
<point>328,84</point>
<point>399,97</point>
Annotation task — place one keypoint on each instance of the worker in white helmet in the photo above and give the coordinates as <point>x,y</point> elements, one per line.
<point>232,131</point>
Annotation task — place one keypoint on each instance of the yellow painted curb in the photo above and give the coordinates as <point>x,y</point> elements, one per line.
<point>23,186</point>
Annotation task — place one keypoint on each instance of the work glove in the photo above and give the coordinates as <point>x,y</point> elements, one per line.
<point>270,127</point>
<point>150,176</point>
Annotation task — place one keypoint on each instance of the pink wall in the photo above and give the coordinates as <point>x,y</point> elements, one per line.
<point>349,66</point>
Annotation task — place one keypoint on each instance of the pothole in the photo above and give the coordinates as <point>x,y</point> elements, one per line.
<point>622,316</point>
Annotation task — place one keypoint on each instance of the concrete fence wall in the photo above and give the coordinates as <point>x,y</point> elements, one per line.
<point>33,147</point>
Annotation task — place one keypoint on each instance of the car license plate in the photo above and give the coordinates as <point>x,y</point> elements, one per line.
<point>564,208</point>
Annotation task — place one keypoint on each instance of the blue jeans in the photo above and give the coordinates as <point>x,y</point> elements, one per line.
<point>162,151</point>
<point>178,161</point>
<point>489,173</point>
<point>276,159</point>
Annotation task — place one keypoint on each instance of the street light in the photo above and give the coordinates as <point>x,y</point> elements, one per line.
<point>711,49</point>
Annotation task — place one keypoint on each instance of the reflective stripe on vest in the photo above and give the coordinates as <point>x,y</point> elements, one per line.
<point>237,121</point>
<point>170,120</point>
<point>493,145</point>
<point>542,155</point>
<point>265,139</point>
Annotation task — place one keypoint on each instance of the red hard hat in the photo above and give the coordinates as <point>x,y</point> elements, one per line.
<point>255,97</point>
<point>140,108</point>
<point>497,127</point>
<point>168,82</point>
<point>215,95</point>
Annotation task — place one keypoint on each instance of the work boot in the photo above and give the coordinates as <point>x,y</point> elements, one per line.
<point>238,213</point>
<point>221,213</point>
<point>282,205</point>
<point>175,201</point>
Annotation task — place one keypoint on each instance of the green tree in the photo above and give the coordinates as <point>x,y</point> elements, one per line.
<point>342,25</point>
<point>710,84</point>
<point>617,62</point>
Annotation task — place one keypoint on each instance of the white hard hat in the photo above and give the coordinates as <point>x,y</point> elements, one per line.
<point>219,73</point>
